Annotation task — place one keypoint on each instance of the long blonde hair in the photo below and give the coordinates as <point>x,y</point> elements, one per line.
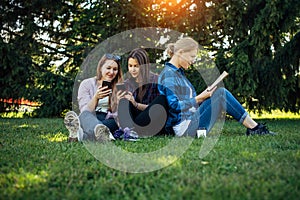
<point>186,44</point>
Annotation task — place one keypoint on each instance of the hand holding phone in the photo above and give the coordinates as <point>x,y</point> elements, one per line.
<point>107,83</point>
<point>103,91</point>
<point>121,87</point>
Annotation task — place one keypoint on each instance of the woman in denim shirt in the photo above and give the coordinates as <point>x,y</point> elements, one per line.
<point>189,111</point>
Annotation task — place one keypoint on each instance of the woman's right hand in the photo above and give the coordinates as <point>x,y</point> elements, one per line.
<point>120,95</point>
<point>102,92</point>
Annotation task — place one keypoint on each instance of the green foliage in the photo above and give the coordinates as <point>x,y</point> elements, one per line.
<point>257,42</point>
<point>262,56</point>
<point>12,86</point>
<point>29,44</point>
<point>54,95</point>
<point>38,163</point>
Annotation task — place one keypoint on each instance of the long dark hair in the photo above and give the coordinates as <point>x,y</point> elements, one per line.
<point>142,58</point>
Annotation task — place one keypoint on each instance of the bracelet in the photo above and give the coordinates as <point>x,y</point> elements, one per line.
<point>136,105</point>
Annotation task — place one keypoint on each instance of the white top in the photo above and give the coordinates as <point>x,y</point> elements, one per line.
<point>103,105</point>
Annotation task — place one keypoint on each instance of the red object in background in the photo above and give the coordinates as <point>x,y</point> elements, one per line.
<point>20,102</point>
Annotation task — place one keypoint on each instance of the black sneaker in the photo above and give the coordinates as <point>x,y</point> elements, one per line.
<point>261,129</point>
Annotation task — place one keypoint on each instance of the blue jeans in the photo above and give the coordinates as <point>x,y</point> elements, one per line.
<point>209,111</point>
<point>89,120</point>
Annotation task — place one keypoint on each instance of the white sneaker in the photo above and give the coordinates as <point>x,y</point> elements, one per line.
<point>102,133</point>
<point>130,135</point>
<point>80,134</point>
<point>72,123</point>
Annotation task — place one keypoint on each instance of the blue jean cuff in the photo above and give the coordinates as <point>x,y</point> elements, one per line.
<point>243,117</point>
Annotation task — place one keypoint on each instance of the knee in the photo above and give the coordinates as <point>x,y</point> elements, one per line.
<point>162,99</point>
<point>220,91</point>
<point>84,113</point>
<point>124,103</point>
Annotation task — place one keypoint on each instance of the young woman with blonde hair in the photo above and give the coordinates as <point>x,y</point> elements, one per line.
<point>189,111</point>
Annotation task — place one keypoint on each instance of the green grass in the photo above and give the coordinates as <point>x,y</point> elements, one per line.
<point>37,163</point>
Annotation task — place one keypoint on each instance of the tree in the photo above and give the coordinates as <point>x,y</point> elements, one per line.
<point>262,56</point>
<point>27,51</point>
<point>43,44</point>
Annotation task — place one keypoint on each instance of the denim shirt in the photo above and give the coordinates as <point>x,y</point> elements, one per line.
<point>180,94</point>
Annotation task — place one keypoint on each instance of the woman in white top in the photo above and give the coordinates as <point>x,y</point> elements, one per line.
<point>96,103</point>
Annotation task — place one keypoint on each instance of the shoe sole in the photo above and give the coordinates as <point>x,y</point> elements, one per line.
<point>131,137</point>
<point>269,133</point>
<point>72,123</point>
<point>102,133</point>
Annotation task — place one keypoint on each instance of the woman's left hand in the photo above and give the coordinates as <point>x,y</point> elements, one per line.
<point>129,97</point>
<point>207,93</point>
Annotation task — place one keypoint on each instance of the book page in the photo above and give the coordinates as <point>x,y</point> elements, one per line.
<point>217,81</point>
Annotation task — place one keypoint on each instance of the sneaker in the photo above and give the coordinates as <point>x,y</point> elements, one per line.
<point>130,135</point>
<point>118,134</point>
<point>102,133</point>
<point>72,123</point>
<point>80,134</point>
<point>261,129</point>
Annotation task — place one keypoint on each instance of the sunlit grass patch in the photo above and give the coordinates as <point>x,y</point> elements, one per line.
<point>59,137</point>
<point>12,115</point>
<point>275,114</point>
<point>23,179</point>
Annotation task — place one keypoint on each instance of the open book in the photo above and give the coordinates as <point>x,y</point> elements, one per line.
<point>217,81</point>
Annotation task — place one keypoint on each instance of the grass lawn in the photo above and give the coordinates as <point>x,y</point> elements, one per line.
<point>37,163</point>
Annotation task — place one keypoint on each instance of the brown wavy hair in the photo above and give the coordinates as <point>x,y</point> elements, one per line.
<point>117,79</point>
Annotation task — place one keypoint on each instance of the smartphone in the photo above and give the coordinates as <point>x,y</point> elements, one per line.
<point>107,83</point>
<point>121,86</point>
